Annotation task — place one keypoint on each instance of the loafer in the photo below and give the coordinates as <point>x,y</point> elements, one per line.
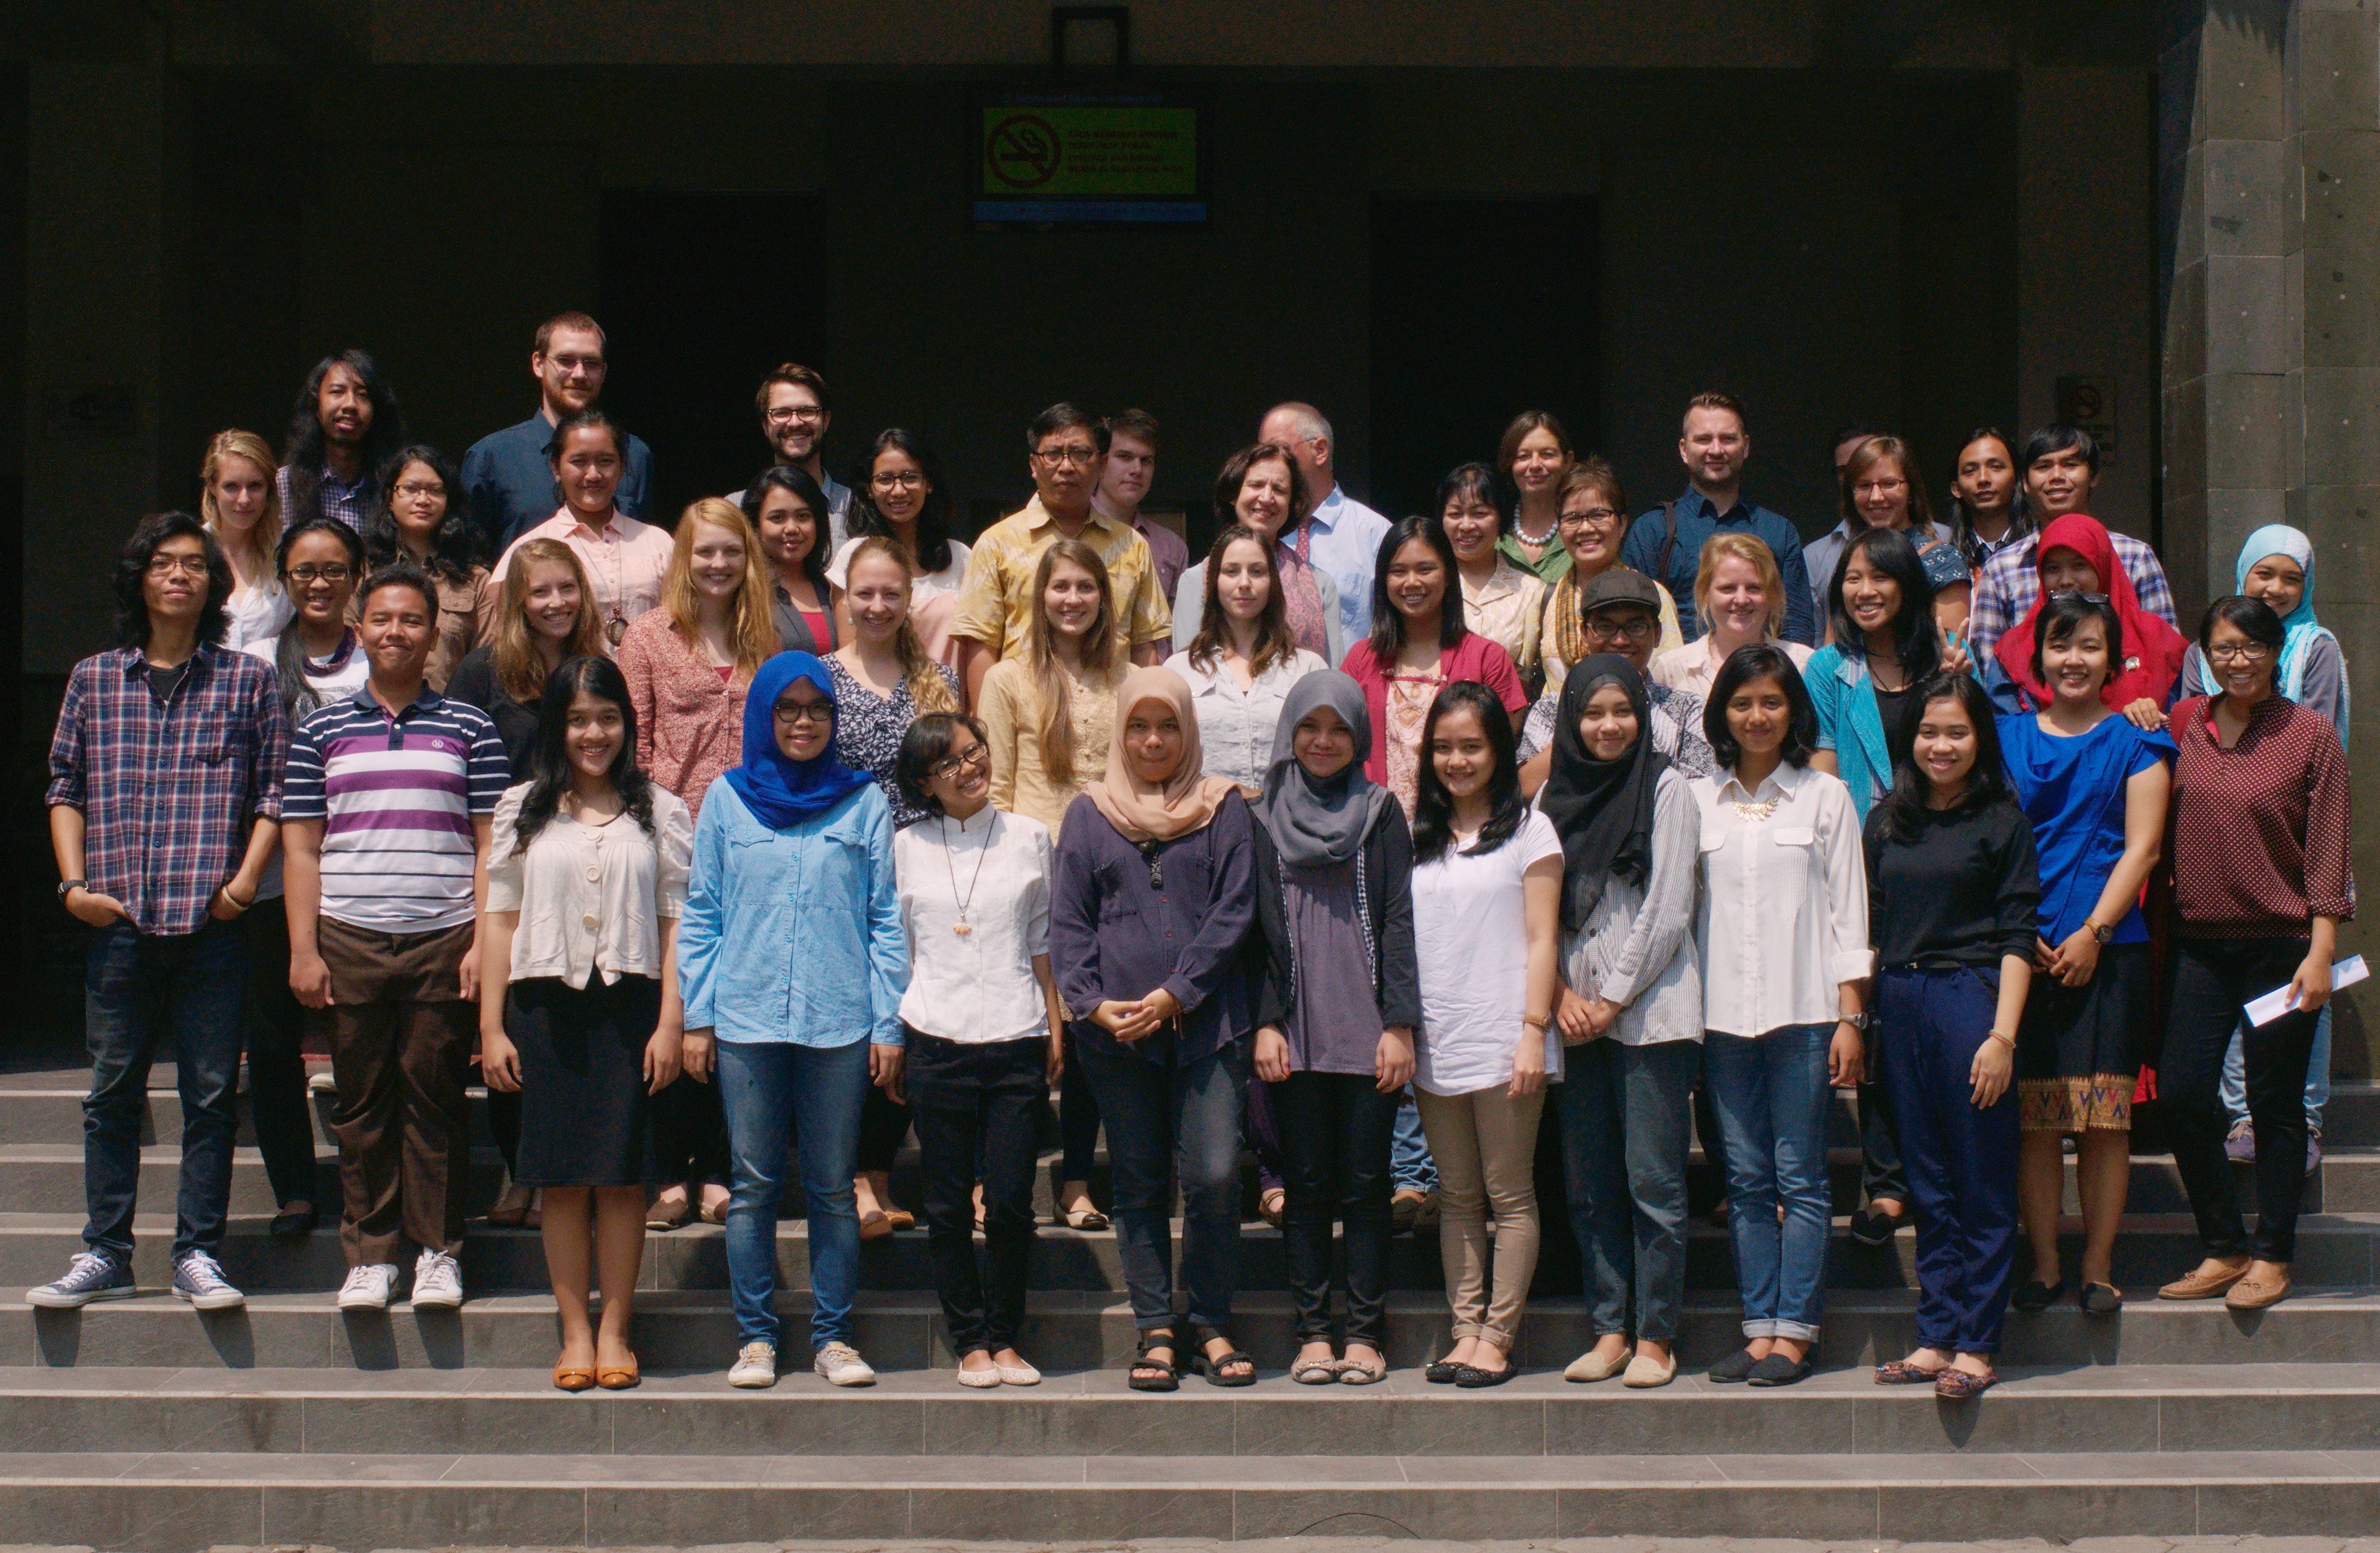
<point>2038,1296</point>
<point>2204,1285</point>
<point>1646,1372</point>
<point>2239,1143</point>
<point>1441,1373</point>
<point>1471,1377</point>
<point>2256,1294</point>
<point>1592,1367</point>
<point>1870,1226</point>
<point>1778,1370</point>
<point>1735,1367</point>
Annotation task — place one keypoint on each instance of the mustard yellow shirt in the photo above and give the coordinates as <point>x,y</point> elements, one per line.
<point>1011,708</point>
<point>996,600</point>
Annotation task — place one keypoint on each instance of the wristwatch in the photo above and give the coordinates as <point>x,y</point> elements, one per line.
<point>1857,1021</point>
<point>67,886</point>
<point>2098,931</point>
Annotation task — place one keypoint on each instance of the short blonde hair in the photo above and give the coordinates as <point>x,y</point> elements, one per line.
<point>1751,551</point>
<point>756,617</point>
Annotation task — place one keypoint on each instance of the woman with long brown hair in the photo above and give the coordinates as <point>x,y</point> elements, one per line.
<point>1243,660</point>
<point>1261,488</point>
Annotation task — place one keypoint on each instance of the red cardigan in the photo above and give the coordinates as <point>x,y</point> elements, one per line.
<point>1474,658</point>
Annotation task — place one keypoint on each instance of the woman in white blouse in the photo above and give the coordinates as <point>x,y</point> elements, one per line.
<point>242,509</point>
<point>1740,596</point>
<point>1243,660</point>
<point>1782,932</point>
<point>984,1030</point>
<point>579,1001</point>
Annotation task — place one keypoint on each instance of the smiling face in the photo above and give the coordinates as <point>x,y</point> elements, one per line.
<point>553,599</point>
<point>2059,483</point>
<point>2244,665</point>
<point>877,595</point>
<point>343,405</point>
<point>1945,747</point>
<point>1591,530</point>
<point>241,491</point>
<point>1153,741</point>
<point>2063,571</point>
<point>1737,600</point>
<point>320,580</point>
<point>1243,580</point>
<point>2278,581</point>
<point>398,631</point>
<point>1072,600</point>
<point>788,530</point>
<point>592,733</point>
<point>1714,446</point>
<point>1417,580</point>
<point>805,721</point>
<point>960,780</point>
<point>1871,596</point>
<point>175,584</point>
<point>1608,725</point>
<point>1759,714</point>
<point>715,564</point>
<point>794,421</point>
<point>1323,743</point>
<point>1538,464</point>
<point>1263,503</point>
<point>1471,525</point>
<point>2076,664</point>
<point>1880,495</point>
<point>1987,475</point>
<point>898,486</point>
<point>1631,630</point>
<point>418,502</point>
<point>1460,753</point>
<point>588,465</point>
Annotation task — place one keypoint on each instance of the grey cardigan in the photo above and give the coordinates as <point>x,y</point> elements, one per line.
<point>1638,946</point>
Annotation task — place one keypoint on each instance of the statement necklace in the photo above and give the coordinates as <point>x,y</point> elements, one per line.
<point>962,926</point>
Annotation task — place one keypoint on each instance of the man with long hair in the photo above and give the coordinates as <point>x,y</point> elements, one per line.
<point>346,421</point>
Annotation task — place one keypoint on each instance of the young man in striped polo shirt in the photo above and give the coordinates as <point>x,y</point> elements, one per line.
<point>385,819</point>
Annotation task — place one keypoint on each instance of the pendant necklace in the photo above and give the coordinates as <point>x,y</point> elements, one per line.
<point>962,926</point>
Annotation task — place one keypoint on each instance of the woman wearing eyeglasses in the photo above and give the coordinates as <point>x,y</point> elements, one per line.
<point>419,513</point>
<point>904,500</point>
<point>1592,523</point>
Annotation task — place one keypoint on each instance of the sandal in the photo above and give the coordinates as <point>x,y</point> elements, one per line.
<point>2102,1299</point>
<point>1958,1385</point>
<point>1900,1372</point>
<point>1316,1372</point>
<point>1269,1203</point>
<point>1168,1375</point>
<point>1203,1335</point>
<point>1363,1372</point>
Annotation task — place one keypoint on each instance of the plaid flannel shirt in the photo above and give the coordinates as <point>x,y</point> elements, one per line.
<point>2011,583</point>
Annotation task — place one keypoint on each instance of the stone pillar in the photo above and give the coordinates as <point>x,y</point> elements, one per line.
<point>2269,208</point>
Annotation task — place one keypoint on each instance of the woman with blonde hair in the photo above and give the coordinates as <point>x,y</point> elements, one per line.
<point>1052,708</point>
<point>1592,521</point>
<point>242,510</point>
<point>1740,599</point>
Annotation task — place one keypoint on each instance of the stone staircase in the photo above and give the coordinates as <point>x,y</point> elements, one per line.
<point>141,1423</point>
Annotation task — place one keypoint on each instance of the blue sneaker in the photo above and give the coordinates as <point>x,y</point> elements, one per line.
<point>199,1282</point>
<point>91,1276</point>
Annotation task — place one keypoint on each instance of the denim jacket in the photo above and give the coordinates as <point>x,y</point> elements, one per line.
<point>794,935</point>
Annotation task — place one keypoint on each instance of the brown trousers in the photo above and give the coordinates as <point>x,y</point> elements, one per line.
<point>1484,1145</point>
<point>401,1042</point>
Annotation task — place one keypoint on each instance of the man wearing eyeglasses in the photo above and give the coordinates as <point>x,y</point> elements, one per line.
<point>1067,452</point>
<point>1622,612</point>
<point>507,473</point>
<point>794,418</point>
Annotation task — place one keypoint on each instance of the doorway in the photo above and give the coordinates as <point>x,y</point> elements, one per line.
<point>703,295</point>
<point>1481,307</point>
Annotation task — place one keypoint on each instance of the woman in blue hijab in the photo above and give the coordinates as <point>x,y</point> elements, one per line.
<point>791,955</point>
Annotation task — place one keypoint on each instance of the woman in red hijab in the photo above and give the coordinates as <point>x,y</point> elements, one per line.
<point>2076,556</point>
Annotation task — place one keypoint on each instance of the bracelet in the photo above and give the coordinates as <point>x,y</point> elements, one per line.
<point>2007,1040</point>
<point>235,902</point>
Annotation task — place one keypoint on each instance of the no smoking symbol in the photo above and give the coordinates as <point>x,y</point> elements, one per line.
<point>1023,151</point>
<point>2084,402</point>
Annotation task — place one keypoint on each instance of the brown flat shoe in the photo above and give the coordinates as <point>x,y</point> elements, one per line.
<point>664,1217</point>
<point>612,1377</point>
<point>875,1226</point>
<point>900,1219</point>
<point>571,1377</point>
<point>2255,1295</point>
<point>2203,1285</point>
<point>1958,1386</point>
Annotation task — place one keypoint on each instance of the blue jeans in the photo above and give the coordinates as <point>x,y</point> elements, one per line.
<point>140,989</point>
<point>1162,1119</point>
<point>1410,1166</point>
<point>1961,1162</point>
<point>2317,1084</point>
<point>1626,1118</point>
<point>765,1087</point>
<point>1772,1095</point>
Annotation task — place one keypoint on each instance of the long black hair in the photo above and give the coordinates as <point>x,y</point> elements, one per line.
<point>132,569</point>
<point>549,760</point>
<point>1757,660</point>
<point>794,477</point>
<point>1904,804</point>
<point>450,545</point>
<point>933,516</point>
<point>1388,626</point>
<point>304,457</point>
<point>298,694</point>
<point>1433,826</point>
<point>1915,641</point>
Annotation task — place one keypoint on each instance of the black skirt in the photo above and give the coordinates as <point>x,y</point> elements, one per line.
<point>2079,1049</point>
<point>586,1120</point>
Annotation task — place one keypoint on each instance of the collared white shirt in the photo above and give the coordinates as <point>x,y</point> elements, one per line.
<point>979,985</point>
<point>1783,919</point>
<point>1694,668</point>
<point>625,563</point>
<point>1345,542</point>
<point>591,897</point>
<point>1236,726</point>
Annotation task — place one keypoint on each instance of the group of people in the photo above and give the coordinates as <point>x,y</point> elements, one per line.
<point>764,840</point>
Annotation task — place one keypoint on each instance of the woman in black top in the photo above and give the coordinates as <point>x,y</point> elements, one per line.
<point>1953,893</point>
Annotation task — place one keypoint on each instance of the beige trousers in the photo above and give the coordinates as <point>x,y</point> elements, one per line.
<point>1484,1145</point>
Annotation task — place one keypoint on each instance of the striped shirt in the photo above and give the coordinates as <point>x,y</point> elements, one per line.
<point>396,796</point>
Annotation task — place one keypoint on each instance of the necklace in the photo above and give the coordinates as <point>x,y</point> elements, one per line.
<point>1756,813</point>
<point>962,926</point>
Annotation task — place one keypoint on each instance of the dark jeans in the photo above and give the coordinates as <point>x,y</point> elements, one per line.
<point>504,1123</point>
<point>1262,1130</point>
<point>1160,1118</point>
<point>2209,979</point>
<point>1078,1119</point>
<point>690,1135</point>
<point>978,1106</point>
<point>1881,1175</point>
<point>1334,1133</point>
<point>276,1059</point>
<point>883,1123</point>
<point>1625,1116</point>
<point>140,991</point>
<point>1961,1162</point>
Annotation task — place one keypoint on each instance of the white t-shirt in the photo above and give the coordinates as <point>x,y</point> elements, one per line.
<point>1471,934</point>
<point>928,584</point>
<point>334,683</point>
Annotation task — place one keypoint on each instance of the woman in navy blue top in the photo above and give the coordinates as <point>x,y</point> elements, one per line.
<point>1154,897</point>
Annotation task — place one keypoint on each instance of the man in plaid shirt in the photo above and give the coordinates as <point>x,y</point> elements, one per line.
<point>2061,463</point>
<point>165,805</point>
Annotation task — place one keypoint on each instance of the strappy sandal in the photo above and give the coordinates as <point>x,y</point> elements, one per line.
<point>1958,1386</point>
<point>1363,1372</point>
<point>1169,1377</point>
<point>1316,1372</point>
<point>1202,1335</point>
<point>1900,1372</point>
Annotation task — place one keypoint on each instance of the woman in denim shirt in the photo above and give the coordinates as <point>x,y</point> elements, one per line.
<point>791,954</point>
<point>1154,897</point>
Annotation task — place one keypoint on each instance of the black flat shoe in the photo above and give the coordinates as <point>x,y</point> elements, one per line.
<point>1870,1227</point>
<point>294,1225</point>
<point>1441,1373</point>
<point>2038,1296</point>
<point>1471,1377</point>
<point>1735,1367</point>
<point>2101,1299</point>
<point>1778,1370</point>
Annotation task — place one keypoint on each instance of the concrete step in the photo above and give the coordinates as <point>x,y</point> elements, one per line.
<point>485,1413</point>
<point>1088,1329</point>
<point>171,1501</point>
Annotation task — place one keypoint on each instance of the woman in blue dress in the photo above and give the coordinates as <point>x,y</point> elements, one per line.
<point>2096,788</point>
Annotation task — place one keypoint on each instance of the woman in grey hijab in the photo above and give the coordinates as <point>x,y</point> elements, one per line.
<point>1336,1015</point>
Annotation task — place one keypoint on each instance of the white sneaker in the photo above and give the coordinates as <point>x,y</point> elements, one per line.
<point>756,1365</point>
<point>437,1281</point>
<point>842,1366</point>
<point>369,1287</point>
